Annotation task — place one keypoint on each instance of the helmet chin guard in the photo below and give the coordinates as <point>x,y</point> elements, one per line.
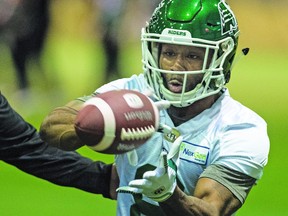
<point>210,25</point>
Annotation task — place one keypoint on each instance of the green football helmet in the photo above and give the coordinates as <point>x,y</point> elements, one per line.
<point>209,24</point>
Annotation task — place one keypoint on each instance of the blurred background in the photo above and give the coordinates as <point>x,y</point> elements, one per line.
<point>52,51</point>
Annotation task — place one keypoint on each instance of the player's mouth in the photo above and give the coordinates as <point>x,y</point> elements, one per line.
<point>175,86</point>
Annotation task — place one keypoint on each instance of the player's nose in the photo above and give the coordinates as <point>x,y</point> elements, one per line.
<point>178,64</point>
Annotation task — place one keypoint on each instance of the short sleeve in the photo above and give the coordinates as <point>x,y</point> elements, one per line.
<point>238,183</point>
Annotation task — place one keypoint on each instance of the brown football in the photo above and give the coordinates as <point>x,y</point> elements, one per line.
<point>117,121</point>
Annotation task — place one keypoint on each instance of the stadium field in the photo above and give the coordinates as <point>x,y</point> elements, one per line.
<point>73,68</point>
<point>259,81</point>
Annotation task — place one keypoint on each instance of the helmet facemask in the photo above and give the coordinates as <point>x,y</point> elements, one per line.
<point>212,81</point>
<point>205,32</point>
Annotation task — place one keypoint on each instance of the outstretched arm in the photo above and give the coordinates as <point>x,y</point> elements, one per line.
<point>211,197</point>
<point>22,147</point>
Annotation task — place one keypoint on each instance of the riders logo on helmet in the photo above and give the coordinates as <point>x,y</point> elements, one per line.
<point>228,20</point>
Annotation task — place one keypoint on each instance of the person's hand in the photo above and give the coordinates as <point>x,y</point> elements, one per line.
<point>158,184</point>
<point>160,104</point>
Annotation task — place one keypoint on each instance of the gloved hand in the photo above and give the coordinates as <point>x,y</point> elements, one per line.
<point>158,184</point>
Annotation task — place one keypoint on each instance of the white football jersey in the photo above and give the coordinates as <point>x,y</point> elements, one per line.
<point>227,133</point>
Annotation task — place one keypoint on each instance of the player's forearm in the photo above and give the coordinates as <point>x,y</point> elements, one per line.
<point>58,130</point>
<point>62,168</point>
<point>181,204</point>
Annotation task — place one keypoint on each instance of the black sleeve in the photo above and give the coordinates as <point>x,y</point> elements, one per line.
<point>21,146</point>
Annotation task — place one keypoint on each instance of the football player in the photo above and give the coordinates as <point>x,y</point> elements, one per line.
<point>218,148</point>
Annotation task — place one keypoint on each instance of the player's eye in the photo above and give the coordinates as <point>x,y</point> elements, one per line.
<point>168,53</point>
<point>193,56</point>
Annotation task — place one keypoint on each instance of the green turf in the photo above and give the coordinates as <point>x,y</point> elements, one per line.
<point>258,81</point>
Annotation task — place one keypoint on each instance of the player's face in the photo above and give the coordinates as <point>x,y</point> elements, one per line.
<point>181,58</point>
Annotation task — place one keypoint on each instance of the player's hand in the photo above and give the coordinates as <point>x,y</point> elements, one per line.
<point>158,184</point>
<point>162,104</point>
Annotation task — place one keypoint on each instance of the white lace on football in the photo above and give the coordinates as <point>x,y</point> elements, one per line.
<point>137,133</point>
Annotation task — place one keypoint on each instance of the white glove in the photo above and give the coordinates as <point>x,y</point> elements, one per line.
<point>158,184</point>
